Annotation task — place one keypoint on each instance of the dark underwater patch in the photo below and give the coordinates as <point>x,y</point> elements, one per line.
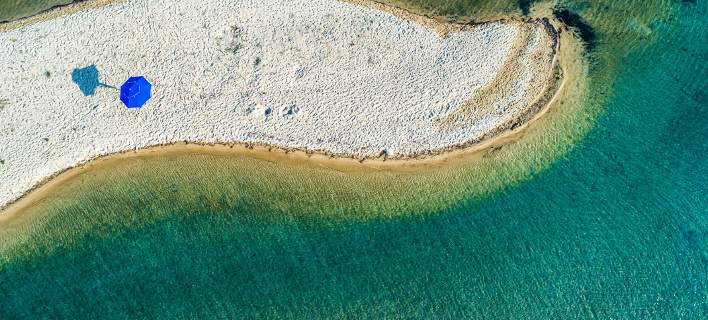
<point>690,239</point>
<point>525,6</point>
<point>573,20</point>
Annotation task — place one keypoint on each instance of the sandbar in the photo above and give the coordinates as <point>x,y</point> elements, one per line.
<point>319,76</point>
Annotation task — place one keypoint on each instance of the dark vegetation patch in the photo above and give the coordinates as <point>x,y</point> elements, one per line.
<point>573,20</point>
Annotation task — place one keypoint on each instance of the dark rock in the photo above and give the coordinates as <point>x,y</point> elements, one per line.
<point>573,20</point>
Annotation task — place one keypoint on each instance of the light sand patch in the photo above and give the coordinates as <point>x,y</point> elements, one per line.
<point>317,75</point>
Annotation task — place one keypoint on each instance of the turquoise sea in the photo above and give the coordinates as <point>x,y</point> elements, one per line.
<point>616,228</point>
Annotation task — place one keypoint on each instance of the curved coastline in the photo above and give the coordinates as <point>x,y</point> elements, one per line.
<point>453,157</point>
<point>419,161</point>
<point>567,199</point>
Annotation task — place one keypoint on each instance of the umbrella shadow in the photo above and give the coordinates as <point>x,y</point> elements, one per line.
<point>87,80</point>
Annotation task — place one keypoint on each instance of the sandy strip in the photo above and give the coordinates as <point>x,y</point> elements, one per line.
<point>332,78</point>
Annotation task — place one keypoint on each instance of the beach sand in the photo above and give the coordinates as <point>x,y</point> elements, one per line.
<point>515,97</point>
<point>459,157</point>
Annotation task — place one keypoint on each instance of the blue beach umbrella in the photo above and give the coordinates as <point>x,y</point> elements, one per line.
<point>135,92</point>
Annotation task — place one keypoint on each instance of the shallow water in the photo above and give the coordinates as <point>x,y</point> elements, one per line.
<point>616,228</point>
<point>14,9</point>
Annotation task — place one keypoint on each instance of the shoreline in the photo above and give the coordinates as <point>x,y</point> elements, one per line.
<point>436,23</point>
<point>492,140</point>
<point>13,209</point>
<point>55,12</point>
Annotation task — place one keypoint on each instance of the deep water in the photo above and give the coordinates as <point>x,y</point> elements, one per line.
<point>618,228</point>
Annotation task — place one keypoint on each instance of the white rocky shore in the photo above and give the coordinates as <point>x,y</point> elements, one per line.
<point>318,75</point>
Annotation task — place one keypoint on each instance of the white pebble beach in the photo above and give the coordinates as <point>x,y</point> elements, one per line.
<point>325,76</point>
